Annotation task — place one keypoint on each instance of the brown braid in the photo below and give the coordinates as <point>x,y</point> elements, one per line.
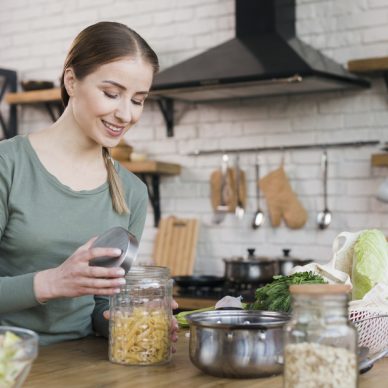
<point>115,185</point>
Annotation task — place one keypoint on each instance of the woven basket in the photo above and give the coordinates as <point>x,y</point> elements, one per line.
<point>372,328</point>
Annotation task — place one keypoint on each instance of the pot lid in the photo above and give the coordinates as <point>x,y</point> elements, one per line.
<point>237,319</point>
<point>251,257</point>
<point>287,256</point>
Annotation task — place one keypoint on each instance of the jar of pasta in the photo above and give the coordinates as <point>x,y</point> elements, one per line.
<point>320,344</point>
<point>140,318</point>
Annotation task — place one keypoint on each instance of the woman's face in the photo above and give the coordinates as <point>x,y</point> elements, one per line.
<point>107,102</point>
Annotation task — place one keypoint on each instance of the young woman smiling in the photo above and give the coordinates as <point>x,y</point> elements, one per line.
<point>59,188</point>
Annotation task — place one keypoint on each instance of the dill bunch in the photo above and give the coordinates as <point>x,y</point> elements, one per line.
<point>275,296</point>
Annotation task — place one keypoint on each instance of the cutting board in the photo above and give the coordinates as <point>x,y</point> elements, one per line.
<point>176,244</point>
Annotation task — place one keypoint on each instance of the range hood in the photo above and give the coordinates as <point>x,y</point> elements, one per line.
<point>264,58</point>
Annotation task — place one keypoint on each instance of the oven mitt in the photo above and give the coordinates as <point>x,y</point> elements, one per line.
<point>282,201</point>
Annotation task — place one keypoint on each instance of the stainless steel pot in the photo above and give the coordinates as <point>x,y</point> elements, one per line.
<point>286,263</point>
<point>237,343</point>
<point>252,269</point>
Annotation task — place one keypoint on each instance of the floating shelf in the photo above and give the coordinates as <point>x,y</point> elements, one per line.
<point>379,160</point>
<point>152,167</point>
<point>368,65</point>
<point>52,98</point>
<point>34,96</point>
<point>149,171</point>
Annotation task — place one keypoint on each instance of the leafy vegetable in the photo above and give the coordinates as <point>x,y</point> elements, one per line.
<point>275,296</point>
<point>181,317</point>
<point>370,262</point>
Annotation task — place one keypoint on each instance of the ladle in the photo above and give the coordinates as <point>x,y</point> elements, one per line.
<point>324,217</point>
<point>258,218</point>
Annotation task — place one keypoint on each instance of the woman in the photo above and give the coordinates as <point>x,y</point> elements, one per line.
<point>59,188</point>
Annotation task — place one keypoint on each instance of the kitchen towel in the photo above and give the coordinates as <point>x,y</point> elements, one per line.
<point>282,201</point>
<point>229,189</point>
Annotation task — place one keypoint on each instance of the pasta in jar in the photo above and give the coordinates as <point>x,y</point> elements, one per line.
<point>141,337</point>
<point>140,318</point>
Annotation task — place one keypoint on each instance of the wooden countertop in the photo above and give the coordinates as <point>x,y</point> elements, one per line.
<point>84,363</point>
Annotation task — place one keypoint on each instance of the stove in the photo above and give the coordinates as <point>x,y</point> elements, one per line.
<point>216,292</point>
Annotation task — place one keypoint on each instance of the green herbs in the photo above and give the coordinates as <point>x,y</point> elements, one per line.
<point>275,296</point>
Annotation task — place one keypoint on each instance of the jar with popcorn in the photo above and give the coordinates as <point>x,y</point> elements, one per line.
<point>320,344</point>
<point>140,318</point>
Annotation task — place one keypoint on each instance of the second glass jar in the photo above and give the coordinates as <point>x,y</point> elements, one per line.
<point>320,345</point>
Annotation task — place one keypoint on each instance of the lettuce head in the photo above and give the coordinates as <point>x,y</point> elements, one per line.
<point>370,262</point>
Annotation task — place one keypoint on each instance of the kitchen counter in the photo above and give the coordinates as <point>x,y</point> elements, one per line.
<point>84,363</point>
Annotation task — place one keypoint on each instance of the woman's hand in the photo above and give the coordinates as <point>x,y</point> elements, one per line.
<point>174,325</point>
<point>75,277</point>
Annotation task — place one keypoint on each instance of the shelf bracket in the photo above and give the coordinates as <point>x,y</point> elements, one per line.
<point>10,81</point>
<point>152,182</point>
<point>50,108</point>
<point>385,76</point>
<point>166,106</point>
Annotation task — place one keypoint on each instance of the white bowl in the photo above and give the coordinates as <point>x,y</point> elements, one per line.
<point>16,355</point>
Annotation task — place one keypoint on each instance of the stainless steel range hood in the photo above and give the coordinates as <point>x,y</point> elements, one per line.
<point>264,58</point>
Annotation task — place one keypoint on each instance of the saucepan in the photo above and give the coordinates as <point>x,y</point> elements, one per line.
<point>250,269</point>
<point>231,343</point>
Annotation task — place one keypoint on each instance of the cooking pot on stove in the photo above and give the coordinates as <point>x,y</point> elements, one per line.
<point>251,269</point>
<point>287,262</point>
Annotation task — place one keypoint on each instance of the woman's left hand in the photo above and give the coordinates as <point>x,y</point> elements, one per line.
<point>174,324</point>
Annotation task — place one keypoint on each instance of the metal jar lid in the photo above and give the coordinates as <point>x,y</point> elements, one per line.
<point>116,237</point>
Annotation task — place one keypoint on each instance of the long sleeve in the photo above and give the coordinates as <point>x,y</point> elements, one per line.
<point>16,292</point>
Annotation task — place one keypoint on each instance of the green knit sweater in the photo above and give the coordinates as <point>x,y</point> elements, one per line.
<point>42,222</point>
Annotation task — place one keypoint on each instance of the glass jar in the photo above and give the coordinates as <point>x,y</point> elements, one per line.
<point>320,344</point>
<point>140,318</point>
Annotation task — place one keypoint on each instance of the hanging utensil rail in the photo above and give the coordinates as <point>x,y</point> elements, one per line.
<point>288,147</point>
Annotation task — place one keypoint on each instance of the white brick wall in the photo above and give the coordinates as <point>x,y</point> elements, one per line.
<point>36,34</point>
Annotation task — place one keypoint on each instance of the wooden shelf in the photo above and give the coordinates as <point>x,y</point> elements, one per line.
<point>152,167</point>
<point>368,65</point>
<point>379,160</point>
<point>34,96</point>
<point>52,97</point>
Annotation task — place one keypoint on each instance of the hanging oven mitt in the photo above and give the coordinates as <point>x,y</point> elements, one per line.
<point>282,201</point>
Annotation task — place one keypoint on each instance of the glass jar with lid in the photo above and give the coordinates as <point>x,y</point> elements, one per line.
<point>140,318</point>
<point>320,344</point>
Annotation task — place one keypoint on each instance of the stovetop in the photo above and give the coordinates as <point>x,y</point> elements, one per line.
<point>247,291</point>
